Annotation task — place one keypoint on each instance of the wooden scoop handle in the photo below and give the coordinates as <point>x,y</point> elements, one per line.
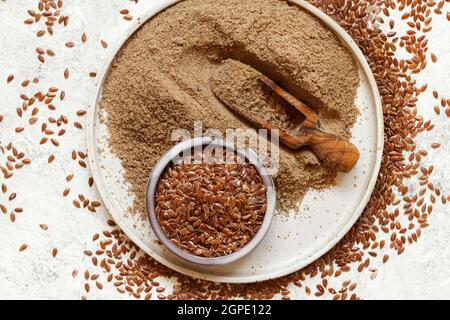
<point>334,151</point>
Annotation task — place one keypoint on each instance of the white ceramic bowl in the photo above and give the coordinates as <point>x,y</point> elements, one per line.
<point>162,164</point>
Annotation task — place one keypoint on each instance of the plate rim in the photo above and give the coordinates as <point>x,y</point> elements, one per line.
<point>157,7</point>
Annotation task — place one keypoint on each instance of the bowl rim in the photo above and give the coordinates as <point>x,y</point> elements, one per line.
<point>253,159</point>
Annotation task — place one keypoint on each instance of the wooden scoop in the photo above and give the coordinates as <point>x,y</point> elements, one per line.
<point>334,151</point>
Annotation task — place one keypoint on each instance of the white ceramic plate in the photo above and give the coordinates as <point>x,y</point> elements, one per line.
<point>292,243</point>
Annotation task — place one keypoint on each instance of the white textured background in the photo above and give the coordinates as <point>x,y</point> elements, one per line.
<point>421,272</point>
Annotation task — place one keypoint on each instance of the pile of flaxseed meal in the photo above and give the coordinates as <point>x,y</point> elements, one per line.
<point>394,218</point>
<point>162,80</point>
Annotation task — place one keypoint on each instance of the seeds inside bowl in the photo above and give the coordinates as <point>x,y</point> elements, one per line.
<point>210,208</point>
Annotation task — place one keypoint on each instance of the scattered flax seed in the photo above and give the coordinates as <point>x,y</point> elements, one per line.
<point>436,145</point>
<point>10,78</point>
<point>104,44</point>
<point>69,177</point>
<point>433,58</point>
<point>51,158</point>
<point>96,204</point>
<point>437,110</point>
<point>66,192</point>
<point>55,142</point>
<point>78,125</point>
<point>128,17</point>
<point>70,44</point>
<point>111,223</point>
<point>54,252</point>
<point>23,247</point>
<point>83,38</point>
<point>82,163</point>
<point>92,74</point>
<point>74,273</point>
<point>43,227</point>
<point>435,94</point>
<point>66,73</point>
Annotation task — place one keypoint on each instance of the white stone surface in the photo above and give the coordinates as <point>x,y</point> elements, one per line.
<point>421,272</point>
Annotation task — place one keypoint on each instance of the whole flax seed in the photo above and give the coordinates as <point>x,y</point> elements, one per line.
<point>210,209</point>
<point>160,81</point>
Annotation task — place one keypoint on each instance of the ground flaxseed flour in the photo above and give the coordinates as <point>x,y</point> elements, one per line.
<point>160,81</point>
